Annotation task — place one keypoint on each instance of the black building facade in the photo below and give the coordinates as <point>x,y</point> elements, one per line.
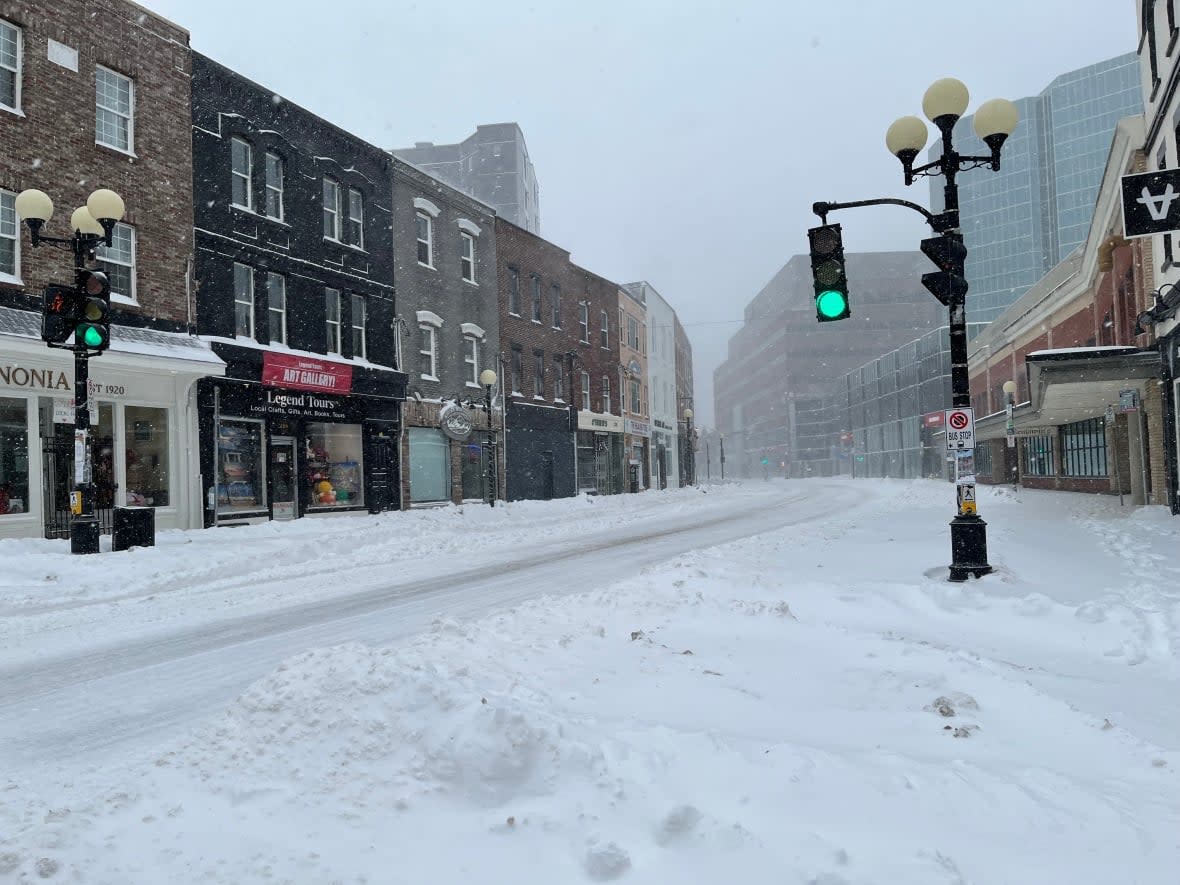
<point>294,270</point>
<point>539,452</point>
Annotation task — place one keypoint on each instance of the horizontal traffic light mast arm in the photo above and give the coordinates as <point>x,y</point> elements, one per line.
<point>938,222</point>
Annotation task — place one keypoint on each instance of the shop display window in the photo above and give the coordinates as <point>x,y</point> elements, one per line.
<point>241,482</point>
<point>430,465</point>
<point>474,464</point>
<point>145,431</point>
<point>335,466</point>
<point>14,456</point>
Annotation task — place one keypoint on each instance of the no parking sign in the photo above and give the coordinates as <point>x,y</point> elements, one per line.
<point>960,429</point>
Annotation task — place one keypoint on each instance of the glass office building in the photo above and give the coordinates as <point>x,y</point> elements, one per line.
<point>1021,221</point>
<point>886,403</point>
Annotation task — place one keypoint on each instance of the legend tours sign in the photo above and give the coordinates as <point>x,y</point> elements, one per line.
<point>305,373</point>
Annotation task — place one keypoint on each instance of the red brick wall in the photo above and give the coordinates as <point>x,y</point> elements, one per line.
<point>530,255</point>
<point>52,147</point>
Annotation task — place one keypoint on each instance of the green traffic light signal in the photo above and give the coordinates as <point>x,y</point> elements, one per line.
<point>829,273</point>
<point>831,304</point>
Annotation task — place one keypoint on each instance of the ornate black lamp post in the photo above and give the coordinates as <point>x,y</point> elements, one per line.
<point>93,225</point>
<point>944,103</point>
<point>488,379</point>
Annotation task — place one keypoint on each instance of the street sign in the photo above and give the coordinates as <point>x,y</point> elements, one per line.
<point>1151,202</point>
<point>1128,400</point>
<point>960,429</point>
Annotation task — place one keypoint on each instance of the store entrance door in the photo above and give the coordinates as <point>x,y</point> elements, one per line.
<point>282,477</point>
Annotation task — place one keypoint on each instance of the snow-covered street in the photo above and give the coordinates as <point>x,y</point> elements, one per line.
<point>769,682</point>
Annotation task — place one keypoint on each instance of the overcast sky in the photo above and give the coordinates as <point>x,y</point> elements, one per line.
<point>678,141</point>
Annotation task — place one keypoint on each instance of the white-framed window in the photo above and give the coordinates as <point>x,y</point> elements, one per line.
<point>356,218</point>
<point>606,394</point>
<point>425,239</point>
<point>584,321</point>
<point>536,283</point>
<point>9,238</point>
<point>274,186</point>
<point>467,256</point>
<point>632,332</point>
<point>360,316</point>
<point>11,50</point>
<point>114,122</point>
<point>516,368</point>
<point>429,351</point>
<point>471,357</point>
<point>636,400</point>
<point>241,172</point>
<point>604,335</point>
<point>118,261</point>
<point>538,375</point>
<point>558,380</point>
<point>331,210</point>
<point>276,307</point>
<point>555,297</point>
<point>243,300</point>
<point>585,391</point>
<point>513,290</point>
<point>332,313</point>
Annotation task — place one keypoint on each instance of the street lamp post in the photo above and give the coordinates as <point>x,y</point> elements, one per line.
<point>721,445</point>
<point>944,103</point>
<point>93,225</point>
<point>488,379</point>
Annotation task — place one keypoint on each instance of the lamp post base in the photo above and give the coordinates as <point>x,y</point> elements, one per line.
<point>968,548</point>
<point>84,532</point>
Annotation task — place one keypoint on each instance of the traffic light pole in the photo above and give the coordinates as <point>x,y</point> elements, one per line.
<point>968,530</point>
<point>84,528</point>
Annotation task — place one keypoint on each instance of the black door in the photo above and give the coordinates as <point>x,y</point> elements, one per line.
<point>382,473</point>
<point>547,476</point>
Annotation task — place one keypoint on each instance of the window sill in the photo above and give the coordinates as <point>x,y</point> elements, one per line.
<point>557,329</point>
<point>512,313</point>
<point>472,384</point>
<point>538,398</point>
<point>427,266</point>
<point>124,299</point>
<point>118,150</point>
<point>428,378</point>
<point>537,323</point>
<point>16,112</point>
<point>10,280</point>
<point>470,282</point>
<point>247,209</point>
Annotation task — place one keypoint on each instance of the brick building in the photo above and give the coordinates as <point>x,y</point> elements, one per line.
<point>559,356</point>
<point>294,261</point>
<point>634,385</point>
<point>444,246</point>
<point>1087,412</point>
<point>97,95</point>
<point>684,399</point>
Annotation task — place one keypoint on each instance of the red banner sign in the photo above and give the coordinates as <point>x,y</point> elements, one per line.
<point>305,373</point>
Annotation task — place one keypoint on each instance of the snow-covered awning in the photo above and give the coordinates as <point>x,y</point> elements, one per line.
<point>128,340</point>
<point>1073,384</point>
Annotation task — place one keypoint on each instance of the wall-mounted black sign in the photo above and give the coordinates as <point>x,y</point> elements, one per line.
<point>1151,203</point>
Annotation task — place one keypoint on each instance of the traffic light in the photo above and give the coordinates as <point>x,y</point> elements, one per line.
<point>829,273</point>
<point>60,311</point>
<point>94,324</point>
<point>947,284</point>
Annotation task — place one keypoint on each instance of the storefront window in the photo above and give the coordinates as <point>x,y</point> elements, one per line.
<point>14,456</point>
<point>105,483</point>
<point>146,434</point>
<point>430,465</point>
<point>241,483</point>
<point>474,469</point>
<point>335,466</point>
